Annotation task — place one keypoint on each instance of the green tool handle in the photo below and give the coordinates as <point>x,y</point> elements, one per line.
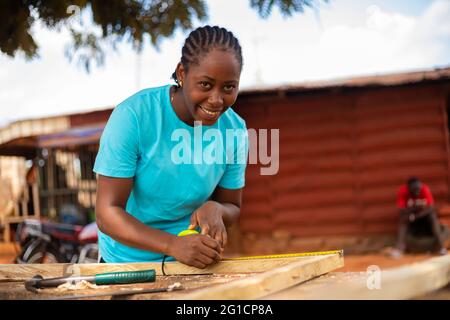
<point>125,277</point>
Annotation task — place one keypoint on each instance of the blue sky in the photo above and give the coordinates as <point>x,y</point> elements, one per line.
<point>344,38</point>
<point>414,7</point>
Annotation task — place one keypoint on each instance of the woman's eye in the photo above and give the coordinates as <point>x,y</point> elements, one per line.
<point>204,85</point>
<point>229,88</point>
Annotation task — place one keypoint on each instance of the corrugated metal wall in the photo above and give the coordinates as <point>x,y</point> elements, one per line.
<point>343,157</point>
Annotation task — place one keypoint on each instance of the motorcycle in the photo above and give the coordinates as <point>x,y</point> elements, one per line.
<point>52,242</point>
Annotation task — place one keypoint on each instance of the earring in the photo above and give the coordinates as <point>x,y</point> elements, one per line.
<point>181,83</point>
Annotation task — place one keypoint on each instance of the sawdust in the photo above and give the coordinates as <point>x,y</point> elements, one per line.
<point>174,286</point>
<point>81,285</point>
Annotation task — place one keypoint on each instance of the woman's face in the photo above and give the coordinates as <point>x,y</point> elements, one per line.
<point>210,87</point>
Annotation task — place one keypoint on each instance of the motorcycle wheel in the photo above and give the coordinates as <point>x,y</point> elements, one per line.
<point>43,257</point>
<point>38,252</point>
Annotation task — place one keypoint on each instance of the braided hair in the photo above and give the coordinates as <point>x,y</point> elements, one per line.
<point>202,40</point>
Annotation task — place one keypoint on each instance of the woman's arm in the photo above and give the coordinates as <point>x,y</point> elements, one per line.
<point>231,200</point>
<point>113,220</point>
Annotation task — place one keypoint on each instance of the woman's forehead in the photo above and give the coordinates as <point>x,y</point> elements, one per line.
<point>217,65</point>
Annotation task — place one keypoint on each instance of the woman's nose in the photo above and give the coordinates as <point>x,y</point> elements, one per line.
<point>216,100</point>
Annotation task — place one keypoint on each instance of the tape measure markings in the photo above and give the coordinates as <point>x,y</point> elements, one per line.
<point>289,255</point>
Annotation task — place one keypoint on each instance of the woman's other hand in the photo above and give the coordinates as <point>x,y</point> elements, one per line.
<point>209,217</point>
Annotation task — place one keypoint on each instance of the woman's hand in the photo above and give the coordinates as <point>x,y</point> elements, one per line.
<point>209,217</point>
<point>195,250</point>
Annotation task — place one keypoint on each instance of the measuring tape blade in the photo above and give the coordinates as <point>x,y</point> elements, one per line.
<point>288,255</point>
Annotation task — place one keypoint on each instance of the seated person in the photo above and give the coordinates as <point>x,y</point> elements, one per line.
<point>417,214</point>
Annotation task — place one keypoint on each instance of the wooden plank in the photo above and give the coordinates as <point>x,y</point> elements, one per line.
<point>306,290</point>
<point>21,272</point>
<point>270,281</point>
<point>16,290</point>
<point>405,282</point>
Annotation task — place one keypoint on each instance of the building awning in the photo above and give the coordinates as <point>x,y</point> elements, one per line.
<point>28,146</point>
<point>381,80</point>
<point>25,137</point>
<point>76,136</point>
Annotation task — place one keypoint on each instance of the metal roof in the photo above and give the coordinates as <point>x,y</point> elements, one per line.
<point>393,79</point>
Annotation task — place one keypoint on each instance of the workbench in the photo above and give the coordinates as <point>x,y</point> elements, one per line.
<point>307,278</point>
<point>229,279</point>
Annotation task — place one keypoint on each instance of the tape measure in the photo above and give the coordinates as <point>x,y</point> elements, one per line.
<point>289,255</point>
<point>272,256</point>
<point>187,232</point>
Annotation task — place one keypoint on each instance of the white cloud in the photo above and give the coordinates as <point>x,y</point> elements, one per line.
<point>386,42</point>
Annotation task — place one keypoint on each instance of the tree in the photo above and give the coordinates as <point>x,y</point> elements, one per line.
<point>118,20</point>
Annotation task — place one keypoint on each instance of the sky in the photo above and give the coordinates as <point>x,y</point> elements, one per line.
<point>338,39</point>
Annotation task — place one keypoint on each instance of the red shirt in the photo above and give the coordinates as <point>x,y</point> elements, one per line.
<point>407,200</point>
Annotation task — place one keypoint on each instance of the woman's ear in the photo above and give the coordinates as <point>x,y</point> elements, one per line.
<point>181,73</point>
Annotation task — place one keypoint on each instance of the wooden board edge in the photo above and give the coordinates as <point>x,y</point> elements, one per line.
<point>406,282</point>
<point>268,282</point>
<point>21,272</point>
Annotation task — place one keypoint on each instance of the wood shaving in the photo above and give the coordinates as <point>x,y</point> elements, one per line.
<point>81,285</point>
<point>174,286</point>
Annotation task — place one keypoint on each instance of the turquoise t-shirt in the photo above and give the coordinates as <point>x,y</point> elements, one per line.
<point>175,167</point>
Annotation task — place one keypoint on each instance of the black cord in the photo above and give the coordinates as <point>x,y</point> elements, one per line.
<point>162,265</point>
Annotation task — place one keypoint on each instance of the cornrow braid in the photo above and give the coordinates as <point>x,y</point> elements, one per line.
<point>202,40</point>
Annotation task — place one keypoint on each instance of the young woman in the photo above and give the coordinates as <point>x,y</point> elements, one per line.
<point>146,195</point>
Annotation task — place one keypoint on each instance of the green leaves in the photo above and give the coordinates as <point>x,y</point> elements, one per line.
<point>287,7</point>
<point>132,20</point>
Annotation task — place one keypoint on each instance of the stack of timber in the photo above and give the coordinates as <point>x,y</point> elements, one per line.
<point>228,279</point>
<point>307,277</point>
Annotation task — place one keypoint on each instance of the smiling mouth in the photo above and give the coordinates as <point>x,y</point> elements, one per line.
<point>210,112</point>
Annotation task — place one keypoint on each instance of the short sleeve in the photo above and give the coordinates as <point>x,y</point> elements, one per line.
<point>401,198</point>
<point>428,196</point>
<point>234,176</point>
<point>119,144</point>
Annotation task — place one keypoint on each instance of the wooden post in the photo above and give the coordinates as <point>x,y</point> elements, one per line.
<point>36,203</point>
<point>7,232</point>
<point>16,209</point>
<point>51,184</point>
<point>24,201</point>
